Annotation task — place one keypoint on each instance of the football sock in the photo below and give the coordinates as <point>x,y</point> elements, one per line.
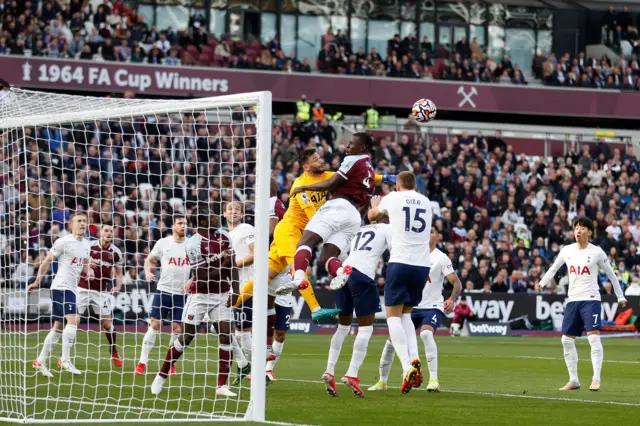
<point>147,344</point>
<point>68,339</point>
<point>359,349</point>
<point>271,327</point>
<point>571,357</point>
<point>332,266</point>
<point>174,337</point>
<point>278,347</point>
<point>386,360</point>
<point>336,346</point>
<point>49,344</point>
<point>244,338</point>
<point>174,352</point>
<point>246,292</point>
<point>412,340</point>
<point>431,350</point>
<point>224,364</point>
<point>111,338</point>
<point>237,353</point>
<point>310,298</point>
<point>597,355</point>
<point>399,339</point>
<point>301,260</point>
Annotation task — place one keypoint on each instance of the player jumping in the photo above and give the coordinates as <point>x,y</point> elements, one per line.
<point>106,262</point>
<point>339,219</point>
<point>72,253</point>
<point>210,256</point>
<point>169,297</point>
<point>408,269</point>
<point>360,294</point>
<point>584,306</point>
<point>428,315</point>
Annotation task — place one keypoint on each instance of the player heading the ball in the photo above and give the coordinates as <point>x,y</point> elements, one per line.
<point>584,307</point>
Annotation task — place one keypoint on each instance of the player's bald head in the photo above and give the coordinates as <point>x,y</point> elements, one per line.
<point>406,180</point>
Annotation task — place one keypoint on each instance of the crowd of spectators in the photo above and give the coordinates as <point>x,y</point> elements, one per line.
<point>503,216</point>
<point>116,32</point>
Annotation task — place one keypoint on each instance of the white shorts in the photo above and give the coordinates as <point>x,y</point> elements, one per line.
<point>99,301</point>
<point>336,223</point>
<point>213,305</point>
<point>282,278</point>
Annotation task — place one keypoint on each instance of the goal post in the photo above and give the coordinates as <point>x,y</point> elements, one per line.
<point>134,165</point>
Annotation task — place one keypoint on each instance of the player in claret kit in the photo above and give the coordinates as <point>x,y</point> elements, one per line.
<point>106,262</point>
<point>211,256</point>
<point>584,307</point>
<point>428,315</point>
<point>410,217</point>
<point>359,293</point>
<point>72,253</point>
<point>169,298</point>
<point>339,219</point>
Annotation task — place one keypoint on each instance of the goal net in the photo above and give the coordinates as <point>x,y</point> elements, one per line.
<point>133,166</point>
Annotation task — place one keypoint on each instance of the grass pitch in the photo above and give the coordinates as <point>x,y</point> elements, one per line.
<point>484,381</point>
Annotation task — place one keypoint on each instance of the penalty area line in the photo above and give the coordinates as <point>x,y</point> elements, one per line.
<point>498,394</point>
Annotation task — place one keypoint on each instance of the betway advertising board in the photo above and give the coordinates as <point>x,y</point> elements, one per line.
<point>179,81</point>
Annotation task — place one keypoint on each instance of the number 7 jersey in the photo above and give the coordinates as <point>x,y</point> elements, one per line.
<point>367,247</point>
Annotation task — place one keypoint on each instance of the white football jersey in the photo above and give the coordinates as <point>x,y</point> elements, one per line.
<point>432,294</point>
<point>367,247</point>
<point>241,237</point>
<point>71,254</point>
<point>582,267</point>
<point>174,264</point>
<point>285,301</point>
<point>410,217</point>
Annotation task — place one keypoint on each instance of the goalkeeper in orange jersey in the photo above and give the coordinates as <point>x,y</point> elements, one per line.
<point>289,230</point>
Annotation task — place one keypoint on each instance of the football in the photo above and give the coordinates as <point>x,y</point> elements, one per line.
<point>424,110</point>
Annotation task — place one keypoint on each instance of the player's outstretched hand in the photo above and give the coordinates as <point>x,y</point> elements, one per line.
<point>33,286</point>
<point>389,178</point>
<point>90,274</point>
<point>375,201</point>
<point>297,190</point>
<point>622,302</point>
<point>448,306</point>
<point>151,277</point>
<point>186,288</point>
<point>538,287</point>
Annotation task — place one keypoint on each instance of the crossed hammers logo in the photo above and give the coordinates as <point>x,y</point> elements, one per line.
<point>466,97</point>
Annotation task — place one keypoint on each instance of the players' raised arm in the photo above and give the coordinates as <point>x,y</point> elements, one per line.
<point>42,271</point>
<point>386,178</point>
<point>375,212</point>
<point>324,185</point>
<point>247,260</point>
<point>557,264</point>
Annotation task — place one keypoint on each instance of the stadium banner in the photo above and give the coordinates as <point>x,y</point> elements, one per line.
<point>486,329</point>
<point>71,75</point>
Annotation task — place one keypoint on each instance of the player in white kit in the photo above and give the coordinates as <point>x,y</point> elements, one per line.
<point>584,307</point>
<point>410,217</point>
<point>360,294</point>
<point>428,315</point>
<point>169,297</point>
<point>72,253</point>
<point>242,238</point>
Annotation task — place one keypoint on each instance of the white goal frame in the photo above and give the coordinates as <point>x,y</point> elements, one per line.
<point>14,116</point>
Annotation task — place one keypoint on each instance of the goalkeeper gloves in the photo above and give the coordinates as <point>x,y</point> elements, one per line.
<point>389,178</point>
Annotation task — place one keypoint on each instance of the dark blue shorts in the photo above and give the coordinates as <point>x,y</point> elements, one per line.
<point>580,316</point>
<point>403,284</point>
<point>432,317</point>
<point>283,317</point>
<point>360,293</point>
<point>63,303</point>
<point>243,316</point>
<point>167,303</point>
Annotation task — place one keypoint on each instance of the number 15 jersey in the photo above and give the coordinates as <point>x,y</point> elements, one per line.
<point>410,217</point>
<point>367,247</point>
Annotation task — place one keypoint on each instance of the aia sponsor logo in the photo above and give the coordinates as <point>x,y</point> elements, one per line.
<point>178,261</point>
<point>579,270</point>
<point>77,260</point>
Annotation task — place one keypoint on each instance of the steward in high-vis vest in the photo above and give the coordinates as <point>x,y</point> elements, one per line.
<point>371,117</point>
<point>303,109</point>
